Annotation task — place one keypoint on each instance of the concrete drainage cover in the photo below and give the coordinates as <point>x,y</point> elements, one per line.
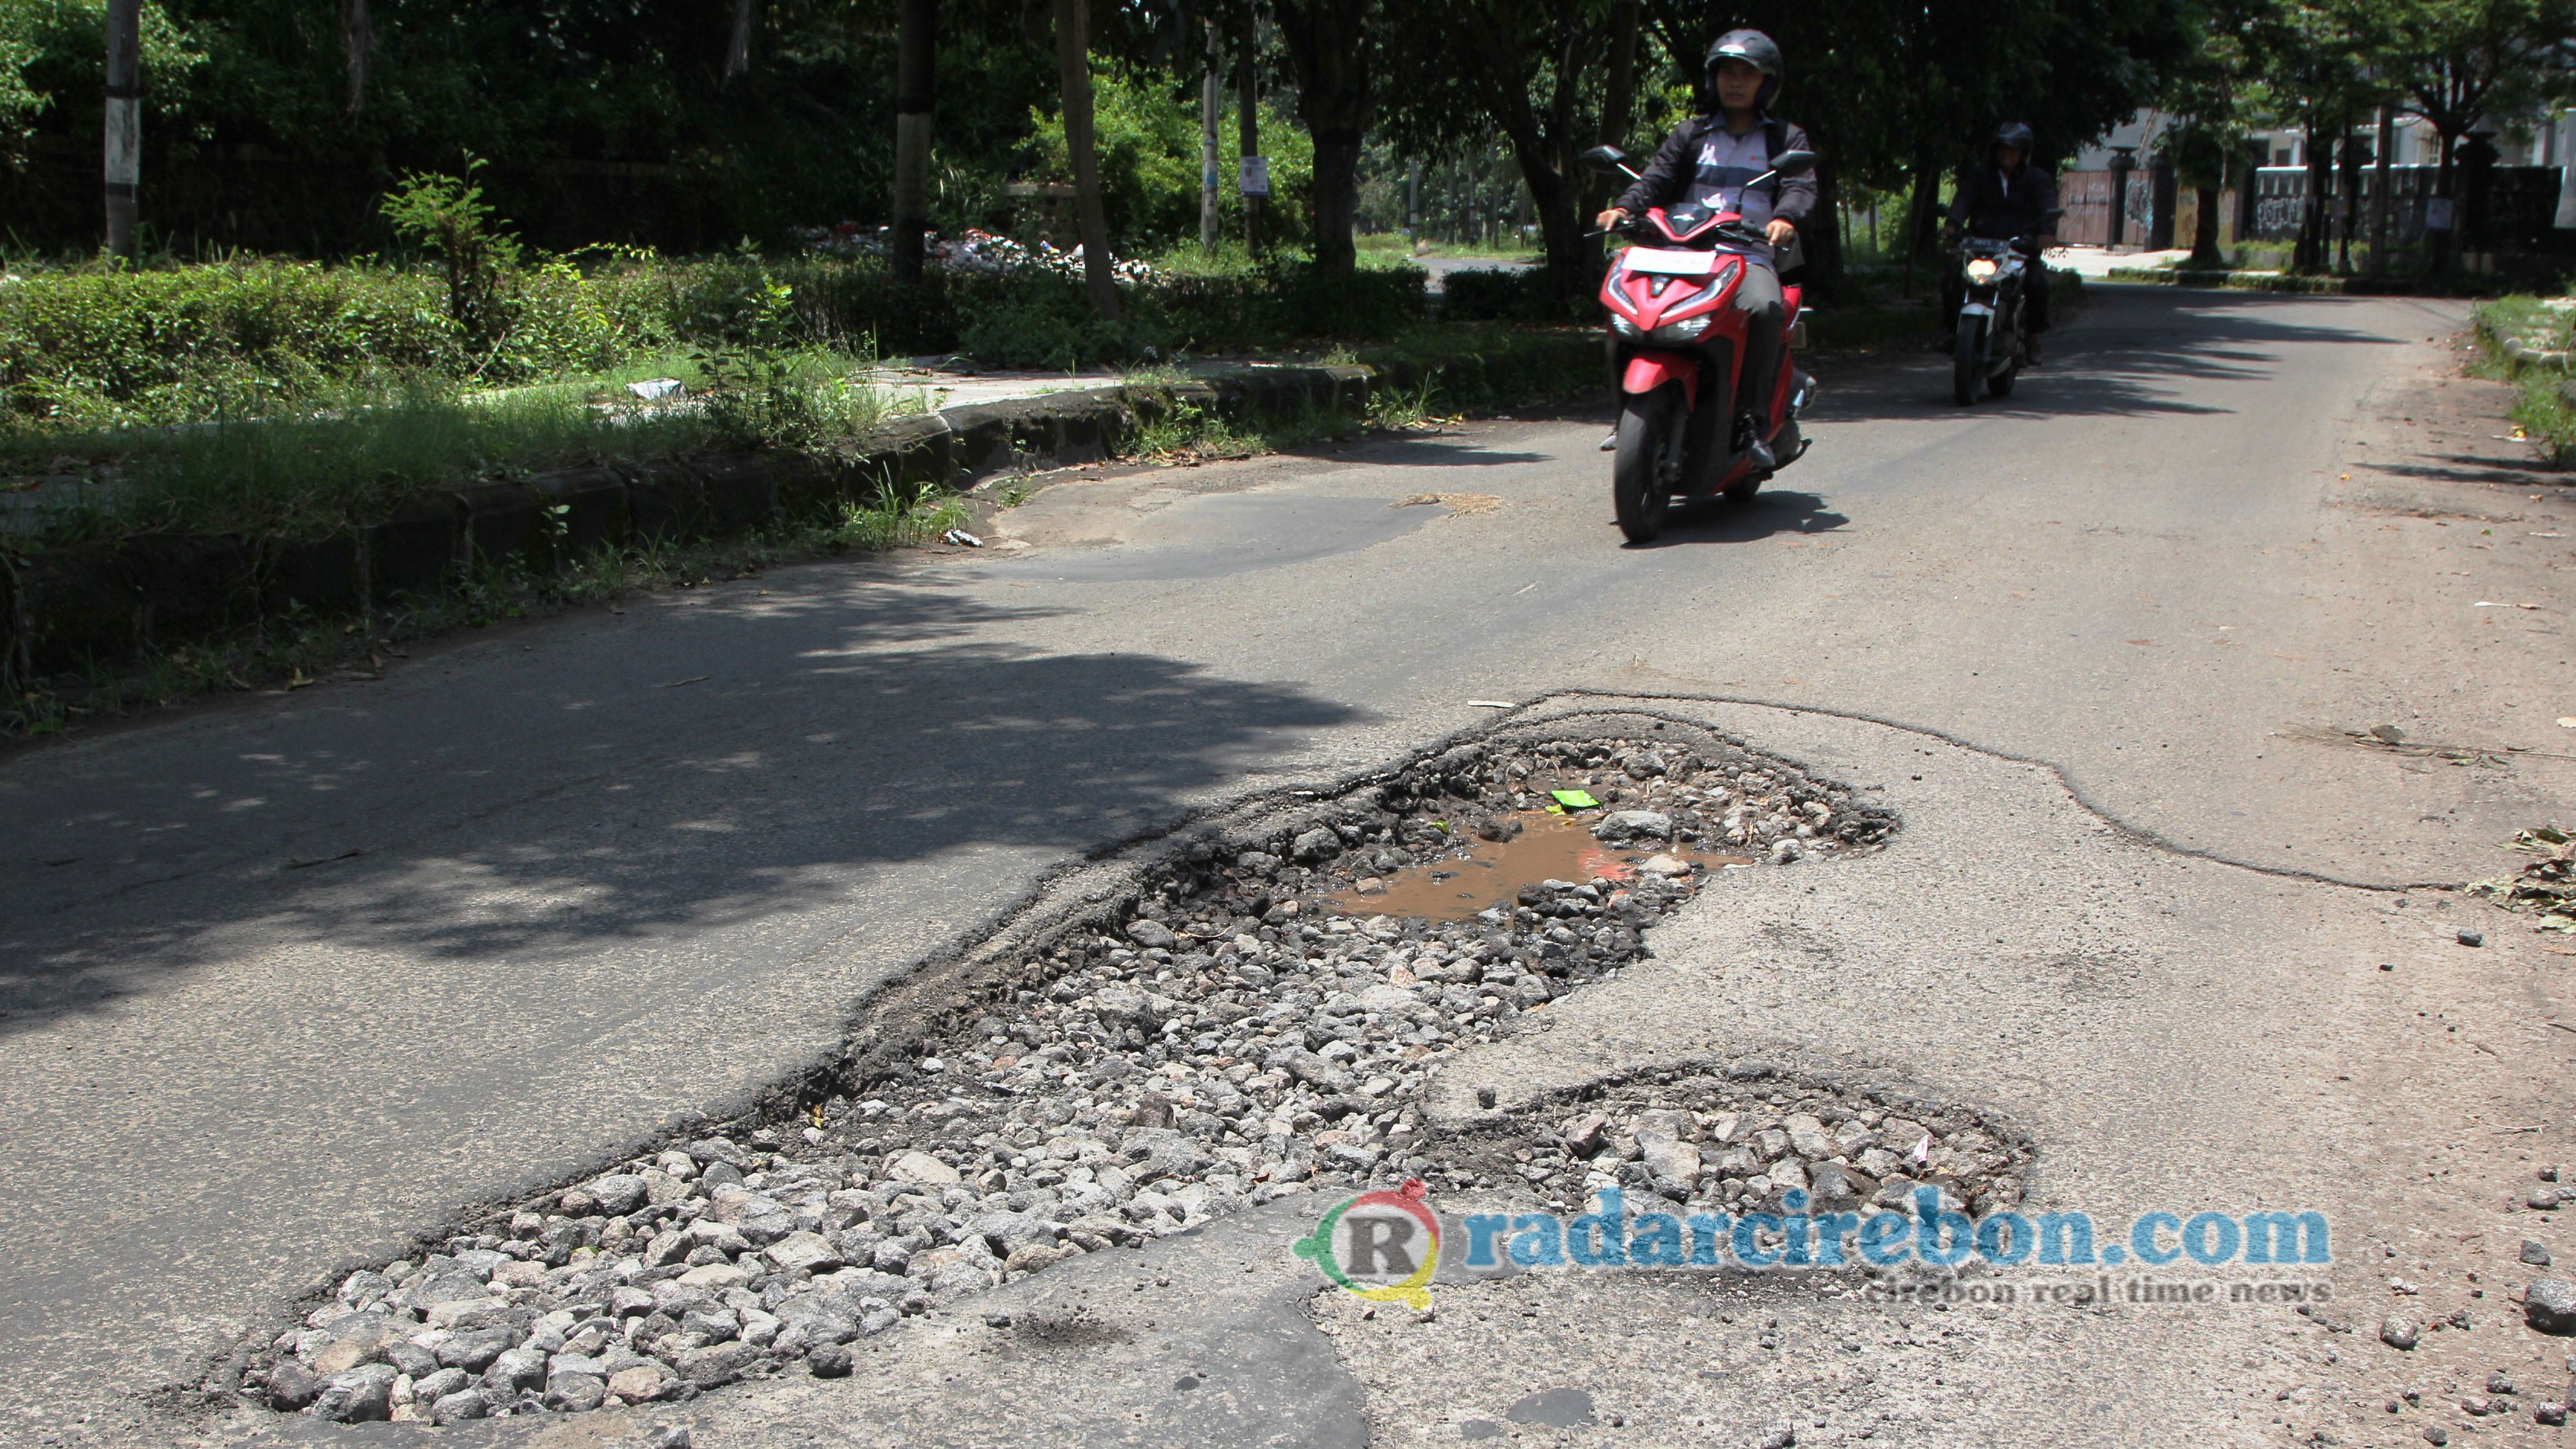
<point>1245,1025</point>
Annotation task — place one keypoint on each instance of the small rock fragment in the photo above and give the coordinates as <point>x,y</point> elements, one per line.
<point>291,1386</point>
<point>2549,1305</point>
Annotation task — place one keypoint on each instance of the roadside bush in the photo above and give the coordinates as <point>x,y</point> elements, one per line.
<point>88,350</point>
<point>100,349</point>
<point>1499,294</point>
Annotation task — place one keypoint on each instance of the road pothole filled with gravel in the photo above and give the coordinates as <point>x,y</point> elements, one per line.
<point>1246,1025</point>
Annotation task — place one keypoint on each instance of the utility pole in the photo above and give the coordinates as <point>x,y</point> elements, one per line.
<point>738,42</point>
<point>2380,202</point>
<point>1211,110</point>
<point>1412,197</point>
<point>358,37</point>
<point>124,123</point>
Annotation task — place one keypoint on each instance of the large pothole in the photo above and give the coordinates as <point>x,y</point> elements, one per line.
<point>1252,1022</point>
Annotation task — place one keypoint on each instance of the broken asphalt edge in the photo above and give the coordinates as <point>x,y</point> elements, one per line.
<point>1088,889</point>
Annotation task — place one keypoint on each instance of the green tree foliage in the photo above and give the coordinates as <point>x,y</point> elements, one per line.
<point>2458,63</point>
<point>1148,124</point>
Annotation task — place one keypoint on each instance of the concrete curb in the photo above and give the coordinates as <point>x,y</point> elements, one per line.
<point>98,602</point>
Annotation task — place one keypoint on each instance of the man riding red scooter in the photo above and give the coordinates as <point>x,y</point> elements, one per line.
<point>1711,210</point>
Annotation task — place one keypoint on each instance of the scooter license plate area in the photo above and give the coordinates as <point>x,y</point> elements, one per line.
<point>1667,262</point>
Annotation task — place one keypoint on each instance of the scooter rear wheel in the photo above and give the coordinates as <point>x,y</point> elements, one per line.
<point>1968,364</point>
<point>1637,491</point>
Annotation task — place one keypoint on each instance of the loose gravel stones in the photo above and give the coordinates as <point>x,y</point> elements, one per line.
<point>1227,1036</point>
<point>1744,1139</point>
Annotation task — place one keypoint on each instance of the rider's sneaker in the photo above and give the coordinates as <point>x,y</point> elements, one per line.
<point>1610,444</point>
<point>1760,454</point>
<point>2030,346</point>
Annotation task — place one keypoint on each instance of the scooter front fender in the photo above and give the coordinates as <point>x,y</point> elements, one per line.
<point>1650,370</point>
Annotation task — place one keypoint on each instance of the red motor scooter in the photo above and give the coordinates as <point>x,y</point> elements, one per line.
<point>1680,343</point>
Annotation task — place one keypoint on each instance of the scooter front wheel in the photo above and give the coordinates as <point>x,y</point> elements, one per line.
<point>1638,492</point>
<point>1968,362</point>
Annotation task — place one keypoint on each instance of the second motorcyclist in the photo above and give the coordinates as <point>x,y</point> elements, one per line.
<point>1709,159</point>
<point>2006,199</point>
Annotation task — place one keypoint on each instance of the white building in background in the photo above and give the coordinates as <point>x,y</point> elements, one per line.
<point>2547,140</point>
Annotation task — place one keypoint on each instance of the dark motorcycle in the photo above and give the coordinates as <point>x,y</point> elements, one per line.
<point>1685,427</point>
<point>1991,345</point>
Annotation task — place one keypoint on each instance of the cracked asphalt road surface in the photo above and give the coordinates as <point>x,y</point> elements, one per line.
<point>287,981</point>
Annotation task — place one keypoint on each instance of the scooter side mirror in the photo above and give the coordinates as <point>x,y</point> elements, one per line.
<point>1794,163</point>
<point>1606,158</point>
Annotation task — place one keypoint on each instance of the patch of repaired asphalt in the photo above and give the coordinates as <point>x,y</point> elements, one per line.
<point>1219,535</point>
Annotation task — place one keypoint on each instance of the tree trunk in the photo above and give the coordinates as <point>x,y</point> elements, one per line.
<point>1822,235</point>
<point>2310,254</point>
<point>1329,44</point>
<point>1619,93</point>
<point>358,33</point>
<point>2348,198</point>
<point>1073,77</point>
<point>124,138</point>
<point>1923,220</point>
<point>738,46</point>
<point>1211,110</point>
<point>1247,121</point>
<point>1560,229</point>
<point>2204,230</point>
<point>916,90</point>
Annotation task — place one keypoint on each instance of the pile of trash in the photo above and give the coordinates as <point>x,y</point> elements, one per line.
<point>2547,886</point>
<point>977,253</point>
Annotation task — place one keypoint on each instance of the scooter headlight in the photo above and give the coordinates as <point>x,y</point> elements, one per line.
<point>1981,269</point>
<point>1674,334</point>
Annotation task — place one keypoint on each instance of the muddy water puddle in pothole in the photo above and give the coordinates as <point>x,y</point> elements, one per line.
<point>1491,873</point>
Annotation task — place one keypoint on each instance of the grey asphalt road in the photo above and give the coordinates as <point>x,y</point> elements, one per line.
<point>291,979</point>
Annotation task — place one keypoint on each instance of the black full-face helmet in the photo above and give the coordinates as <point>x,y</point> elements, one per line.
<point>1755,49</point>
<point>2013,134</point>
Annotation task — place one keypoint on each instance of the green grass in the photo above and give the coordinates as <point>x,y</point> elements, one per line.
<point>308,476</point>
<point>289,651</point>
<point>2542,408</point>
<point>894,521</point>
<point>1396,246</point>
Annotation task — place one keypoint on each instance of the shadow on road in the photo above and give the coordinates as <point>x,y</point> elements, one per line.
<point>1418,451</point>
<point>2135,351</point>
<point>1769,515</point>
<point>739,759</point>
<point>2458,468</point>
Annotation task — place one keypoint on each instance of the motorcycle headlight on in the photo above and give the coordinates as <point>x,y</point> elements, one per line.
<point>1981,269</point>
<point>1673,334</point>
